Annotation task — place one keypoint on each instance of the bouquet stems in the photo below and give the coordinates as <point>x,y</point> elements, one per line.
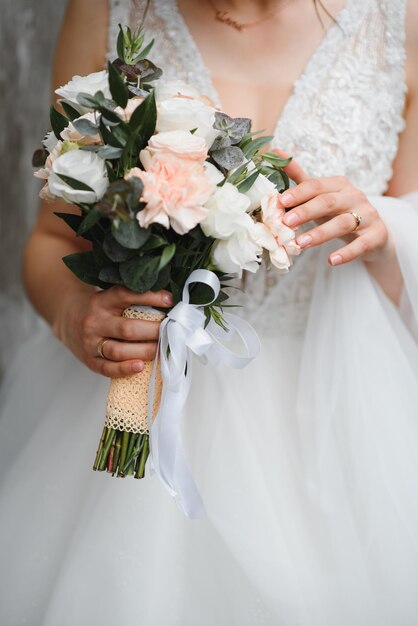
<point>122,454</point>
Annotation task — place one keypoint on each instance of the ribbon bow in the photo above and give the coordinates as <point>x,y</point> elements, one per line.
<point>182,333</point>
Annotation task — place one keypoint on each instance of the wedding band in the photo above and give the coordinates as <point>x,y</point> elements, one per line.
<point>358,219</point>
<point>100,347</point>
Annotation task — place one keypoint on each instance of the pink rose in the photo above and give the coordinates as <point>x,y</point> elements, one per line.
<point>274,236</point>
<point>180,144</point>
<point>175,192</point>
<point>45,171</point>
<point>127,112</point>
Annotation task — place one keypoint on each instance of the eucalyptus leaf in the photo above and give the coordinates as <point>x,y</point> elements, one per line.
<point>228,158</point>
<point>85,127</point>
<point>110,274</point>
<point>109,152</point>
<point>140,273</point>
<point>163,280</point>
<point>114,250</point>
<point>84,265</point>
<point>129,234</point>
<point>87,100</point>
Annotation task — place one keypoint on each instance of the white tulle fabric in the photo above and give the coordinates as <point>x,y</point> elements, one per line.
<point>306,461</point>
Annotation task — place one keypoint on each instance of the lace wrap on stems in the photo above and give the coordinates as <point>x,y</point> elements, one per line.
<point>127,402</point>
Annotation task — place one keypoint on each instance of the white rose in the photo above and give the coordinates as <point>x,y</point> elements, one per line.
<point>215,176</point>
<point>87,167</point>
<point>91,84</point>
<point>187,114</point>
<point>239,252</point>
<point>227,212</point>
<point>165,89</point>
<point>261,188</point>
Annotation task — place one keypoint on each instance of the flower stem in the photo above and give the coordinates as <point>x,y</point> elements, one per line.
<point>124,450</point>
<point>100,448</point>
<point>116,456</point>
<point>110,438</point>
<point>140,470</point>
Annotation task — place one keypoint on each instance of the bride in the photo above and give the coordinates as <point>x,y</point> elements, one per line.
<point>307,461</point>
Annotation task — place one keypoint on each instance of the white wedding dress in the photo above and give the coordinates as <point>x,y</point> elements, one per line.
<point>307,461</point>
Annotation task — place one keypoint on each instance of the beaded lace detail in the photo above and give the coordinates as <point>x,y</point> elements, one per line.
<point>343,117</point>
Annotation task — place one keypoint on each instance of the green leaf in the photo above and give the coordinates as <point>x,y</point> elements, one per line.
<point>88,222</point>
<point>74,184</point>
<point>144,118</point>
<point>153,243</point>
<point>167,255</point>
<point>144,51</point>
<point>84,266</point>
<point>58,122</point>
<point>163,279</point>
<point>140,273</point>
<point>129,234</point>
<point>255,145</point>
<point>120,44</point>
<point>71,219</point>
<point>276,160</point>
<point>108,137</point>
<point>117,86</point>
<point>248,182</point>
<point>109,152</point>
<point>69,110</point>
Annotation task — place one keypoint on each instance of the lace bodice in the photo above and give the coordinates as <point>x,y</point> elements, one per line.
<point>343,117</point>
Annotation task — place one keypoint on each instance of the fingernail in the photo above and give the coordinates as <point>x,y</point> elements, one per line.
<point>304,240</point>
<point>287,199</point>
<point>168,298</point>
<point>291,219</point>
<point>337,259</point>
<point>137,366</point>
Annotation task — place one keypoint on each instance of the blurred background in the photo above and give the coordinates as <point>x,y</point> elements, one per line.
<point>28,31</point>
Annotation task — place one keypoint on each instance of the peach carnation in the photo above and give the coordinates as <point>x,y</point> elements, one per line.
<point>175,192</point>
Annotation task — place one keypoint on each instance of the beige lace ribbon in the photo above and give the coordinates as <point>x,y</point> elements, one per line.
<point>127,402</point>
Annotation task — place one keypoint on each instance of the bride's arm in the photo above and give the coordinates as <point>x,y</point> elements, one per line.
<point>79,315</point>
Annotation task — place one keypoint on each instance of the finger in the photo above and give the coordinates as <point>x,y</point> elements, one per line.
<point>118,327</point>
<point>354,250</point>
<point>120,351</point>
<point>120,297</point>
<point>338,226</point>
<point>322,206</point>
<point>293,170</point>
<point>115,369</point>
<point>309,189</point>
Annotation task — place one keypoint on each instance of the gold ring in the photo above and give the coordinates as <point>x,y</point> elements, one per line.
<point>100,347</point>
<point>358,219</point>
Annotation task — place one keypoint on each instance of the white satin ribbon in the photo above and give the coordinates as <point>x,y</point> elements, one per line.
<point>182,333</point>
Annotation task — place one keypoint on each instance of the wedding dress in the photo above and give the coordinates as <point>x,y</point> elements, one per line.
<point>307,461</point>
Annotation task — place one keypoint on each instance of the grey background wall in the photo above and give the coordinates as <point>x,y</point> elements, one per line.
<point>28,32</point>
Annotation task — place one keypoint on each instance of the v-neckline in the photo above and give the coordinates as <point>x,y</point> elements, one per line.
<point>182,37</point>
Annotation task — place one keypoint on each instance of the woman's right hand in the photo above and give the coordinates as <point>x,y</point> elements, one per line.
<point>86,318</point>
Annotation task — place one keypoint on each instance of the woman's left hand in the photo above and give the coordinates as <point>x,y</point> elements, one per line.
<point>330,202</point>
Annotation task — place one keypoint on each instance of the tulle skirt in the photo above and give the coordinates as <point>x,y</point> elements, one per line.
<point>307,463</point>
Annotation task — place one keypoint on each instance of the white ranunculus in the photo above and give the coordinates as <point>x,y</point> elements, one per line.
<point>215,176</point>
<point>91,84</point>
<point>261,188</point>
<point>187,114</point>
<point>86,167</point>
<point>165,89</point>
<point>239,252</point>
<point>227,212</point>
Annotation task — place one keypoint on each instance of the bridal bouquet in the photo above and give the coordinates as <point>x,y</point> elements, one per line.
<point>172,194</point>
